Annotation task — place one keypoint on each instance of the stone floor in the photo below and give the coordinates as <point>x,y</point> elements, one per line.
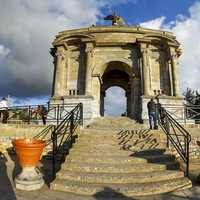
<point>9,168</point>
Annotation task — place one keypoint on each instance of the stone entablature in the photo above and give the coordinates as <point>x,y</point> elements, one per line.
<point>85,58</point>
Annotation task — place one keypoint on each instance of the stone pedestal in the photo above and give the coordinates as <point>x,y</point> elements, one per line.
<point>29,179</point>
<point>71,101</point>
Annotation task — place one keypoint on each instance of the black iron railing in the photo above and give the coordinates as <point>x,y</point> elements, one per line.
<point>184,113</point>
<point>177,135</point>
<point>62,134</point>
<point>54,113</point>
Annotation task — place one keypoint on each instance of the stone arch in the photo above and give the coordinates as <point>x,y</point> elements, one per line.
<point>117,73</point>
<point>99,68</point>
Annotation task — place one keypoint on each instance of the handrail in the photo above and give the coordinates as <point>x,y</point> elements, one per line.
<point>62,132</point>
<point>56,112</point>
<point>176,134</point>
<point>67,125</point>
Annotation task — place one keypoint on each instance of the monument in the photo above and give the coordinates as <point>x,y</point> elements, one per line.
<point>88,61</point>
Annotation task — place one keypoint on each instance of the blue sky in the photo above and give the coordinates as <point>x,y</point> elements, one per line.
<point>145,10</point>
<point>26,68</point>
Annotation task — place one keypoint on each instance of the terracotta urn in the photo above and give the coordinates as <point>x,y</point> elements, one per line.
<point>28,154</point>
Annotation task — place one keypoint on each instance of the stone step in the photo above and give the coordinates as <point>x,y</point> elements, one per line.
<point>131,190</point>
<point>120,151</point>
<point>122,159</point>
<point>97,138</point>
<point>96,131</point>
<point>149,152</point>
<point>103,159</point>
<point>97,148</point>
<point>119,168</point>
<point>156,158</point>
<point>84,156</point>
<point>119,177</point>
<point>100,145</point>
<point>103,152</point>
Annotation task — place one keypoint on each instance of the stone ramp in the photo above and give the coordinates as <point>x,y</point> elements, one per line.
<point>103,162</point>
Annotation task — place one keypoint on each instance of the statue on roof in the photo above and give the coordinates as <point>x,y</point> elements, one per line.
<point>116,20</point>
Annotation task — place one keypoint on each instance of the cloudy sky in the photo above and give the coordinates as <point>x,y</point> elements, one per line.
<point>28,27</point>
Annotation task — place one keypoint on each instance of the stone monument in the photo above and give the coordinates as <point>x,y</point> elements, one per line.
<point>144,62</point>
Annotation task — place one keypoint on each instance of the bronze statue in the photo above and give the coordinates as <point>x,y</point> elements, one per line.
<point>116,20</point>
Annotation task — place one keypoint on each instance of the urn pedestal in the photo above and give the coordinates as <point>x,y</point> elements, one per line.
<point>28,153</point>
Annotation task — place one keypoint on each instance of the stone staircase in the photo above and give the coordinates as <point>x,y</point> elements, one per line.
<point>108,161</point>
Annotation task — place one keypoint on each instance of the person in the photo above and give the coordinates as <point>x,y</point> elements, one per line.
<point>41,110</point>
<point>151,105</point>
<point>4,110</point>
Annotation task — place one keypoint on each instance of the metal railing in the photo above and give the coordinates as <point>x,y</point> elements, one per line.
<point>54,113</point>
<point>61,134</point>
<point>64,131</point>
<point>185,113</point>
<point>177,135</point>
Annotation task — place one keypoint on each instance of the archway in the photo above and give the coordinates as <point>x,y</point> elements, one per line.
<point>115,102</point>
<point>118,74</point>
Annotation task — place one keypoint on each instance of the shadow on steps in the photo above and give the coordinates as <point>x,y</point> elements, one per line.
<point>134,139</point>
<point>146,144</point>
<point>110,194</point>
<point>46,163</point>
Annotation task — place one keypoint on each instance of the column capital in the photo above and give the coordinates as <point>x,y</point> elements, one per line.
<point>89,46</point>
<point>61,53</point>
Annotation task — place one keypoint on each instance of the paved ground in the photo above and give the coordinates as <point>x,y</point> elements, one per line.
<point>9,168</point>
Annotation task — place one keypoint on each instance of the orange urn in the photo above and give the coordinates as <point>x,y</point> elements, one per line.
<point>28,151</point>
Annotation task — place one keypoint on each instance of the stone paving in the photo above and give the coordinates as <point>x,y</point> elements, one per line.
<point>9,168</point>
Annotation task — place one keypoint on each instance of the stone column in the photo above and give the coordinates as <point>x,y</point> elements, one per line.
<point>102,106</point>
<point>128,102</point>
<point>136,98</point>
<point>88,81</point>
<point>60,72</point>
<point>145,70</point>
<point>175,73</point>
<point>170,77</point>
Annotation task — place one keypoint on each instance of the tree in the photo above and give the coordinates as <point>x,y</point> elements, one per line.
<point>192,98</point>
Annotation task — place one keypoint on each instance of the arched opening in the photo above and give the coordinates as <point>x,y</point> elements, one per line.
<point>115,101</point>
<point>116,90</point>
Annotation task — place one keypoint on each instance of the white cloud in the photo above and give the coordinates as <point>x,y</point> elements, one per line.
<point>3,51</point>
<point>187,30</point>
<point>27,29</point>
<point>115,106</point>
<point>154,24</point>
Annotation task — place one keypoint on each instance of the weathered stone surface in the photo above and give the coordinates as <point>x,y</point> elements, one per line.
<point>29,179</point>
<point>105,158</point>
<point>88,61</point>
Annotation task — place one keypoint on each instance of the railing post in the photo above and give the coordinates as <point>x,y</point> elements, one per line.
<point>188,157</point>
<point>29,114</point>
<point>58,113</point>
<point>185,113</point>
<point>48,106</point>
<point>81,114</point>
<point>71,128</point>
<point>54,141</point>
